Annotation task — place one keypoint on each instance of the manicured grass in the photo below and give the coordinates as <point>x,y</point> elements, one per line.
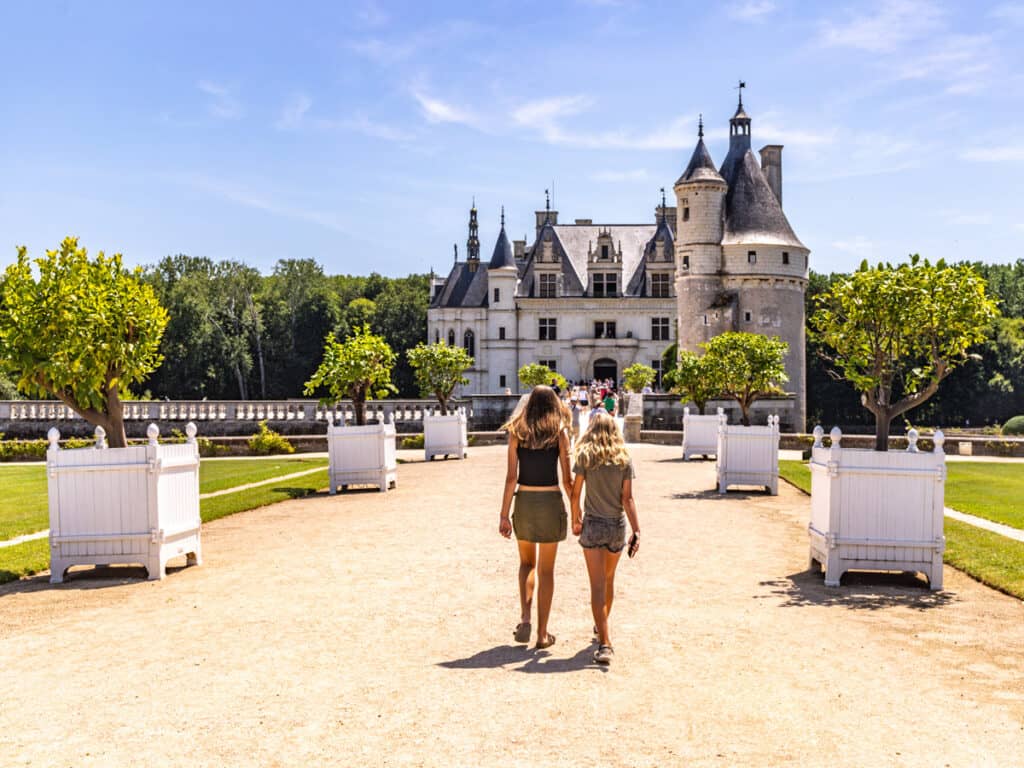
<point>23,504</point>
<point>24,508</point>
<point>25,559</point>
<point>797,473</point>
<point>230,503</point>
<point>987,489</point>
<point>988,557</point>
<point>218,474</point>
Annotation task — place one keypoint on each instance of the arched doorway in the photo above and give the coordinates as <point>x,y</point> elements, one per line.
<point>606,368</point>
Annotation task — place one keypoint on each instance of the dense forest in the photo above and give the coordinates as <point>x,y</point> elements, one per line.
<point>235,333</point>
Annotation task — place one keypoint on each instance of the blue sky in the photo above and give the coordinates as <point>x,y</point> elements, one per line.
<point>357,133</point>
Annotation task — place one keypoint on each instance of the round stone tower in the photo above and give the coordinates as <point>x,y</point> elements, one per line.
<point>703,308</point>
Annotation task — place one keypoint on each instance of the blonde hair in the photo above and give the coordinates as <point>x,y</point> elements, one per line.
<point>541,421</point>
<point>602,443</point>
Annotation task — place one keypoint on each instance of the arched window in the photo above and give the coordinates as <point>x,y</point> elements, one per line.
<point>469,343</point>
<point>451,338</point>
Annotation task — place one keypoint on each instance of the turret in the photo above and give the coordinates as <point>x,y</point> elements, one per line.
<point>473,241</point>
<point>700,199</point>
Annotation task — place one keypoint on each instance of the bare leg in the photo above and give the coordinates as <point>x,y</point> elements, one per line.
<point>546,586</point>
<point>601,565</point>
<point>527,573</point>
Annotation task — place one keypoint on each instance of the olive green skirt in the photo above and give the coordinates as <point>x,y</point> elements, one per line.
<point>539,516</point>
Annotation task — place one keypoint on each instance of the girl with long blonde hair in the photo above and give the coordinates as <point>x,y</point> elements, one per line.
<point>538,444</point>
<point>604,466</point>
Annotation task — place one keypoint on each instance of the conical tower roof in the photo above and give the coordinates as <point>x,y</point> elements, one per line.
<point>752,212</point>
<point>701,166</point>
<point>503,256</point>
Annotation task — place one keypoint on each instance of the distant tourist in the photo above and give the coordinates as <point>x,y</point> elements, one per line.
<point>538,444</point>
<point>604,467</point>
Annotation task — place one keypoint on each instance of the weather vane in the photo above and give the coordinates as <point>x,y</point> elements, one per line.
<point>740,88</point>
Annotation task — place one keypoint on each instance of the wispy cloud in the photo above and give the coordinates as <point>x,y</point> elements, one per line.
<point>360,123</point>
<point>436,110</point>
<point>859,246</point>
<point>245,196</point>
<point>754,11</point>
<point>995,153</point>
<point>639,174</point>
<point>222,102</point>
<point>887,26</point>
<point>1009,12</point>
<point>294,112</point>
<point>912,40</point>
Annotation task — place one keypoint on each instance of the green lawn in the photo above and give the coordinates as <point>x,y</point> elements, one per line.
<point>976,486</point>
<point>987,489</point>
<point>23,488</point>
<point>230,503</point>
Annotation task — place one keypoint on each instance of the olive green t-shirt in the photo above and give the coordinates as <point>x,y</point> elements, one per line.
<point>603,488</point>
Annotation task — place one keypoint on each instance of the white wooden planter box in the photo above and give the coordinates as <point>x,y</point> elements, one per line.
<point>700,434</point>
<point>748,455</point>
<point>138,504</point>
<point>362,455</point>
<point>445,435</point>
<point>877,511</point>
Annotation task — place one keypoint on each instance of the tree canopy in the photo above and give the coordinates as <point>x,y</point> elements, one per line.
<point>746,367</point>
<point>358,368</point>
<point>439,369</point>
<point>534,374</point>
<point>693,379</point>
<point>638,376</point>
<point>895,333</point>
<point>83,332</point>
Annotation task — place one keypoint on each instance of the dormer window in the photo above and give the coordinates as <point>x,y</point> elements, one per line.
<point>604,253</point>
<point>659,285</point>
<point>605,285</point>
<point>659,249</point>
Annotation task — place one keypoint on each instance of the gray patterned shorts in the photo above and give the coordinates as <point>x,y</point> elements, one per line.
<point>603,532</point>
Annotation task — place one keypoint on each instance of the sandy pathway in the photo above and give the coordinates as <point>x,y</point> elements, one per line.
<point>372,629</point>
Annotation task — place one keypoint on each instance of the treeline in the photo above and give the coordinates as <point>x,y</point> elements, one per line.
<point>237,334</point>
<point>987,390</point>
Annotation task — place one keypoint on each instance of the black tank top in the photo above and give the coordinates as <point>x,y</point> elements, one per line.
<point>538,467</point>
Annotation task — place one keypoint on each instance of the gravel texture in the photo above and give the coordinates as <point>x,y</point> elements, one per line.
<point>375,629</point>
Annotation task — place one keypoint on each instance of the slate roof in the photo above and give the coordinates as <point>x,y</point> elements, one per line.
<point>502,256</point>
<point>463,288</point>
<point>701,166</point>
<point>752,212</point>
<point>637,285</point>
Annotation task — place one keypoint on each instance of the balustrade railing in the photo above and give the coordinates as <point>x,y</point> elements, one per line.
<point>229,410</point>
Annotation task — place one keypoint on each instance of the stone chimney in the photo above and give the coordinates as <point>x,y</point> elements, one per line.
<point>543,216</point>
<point>771,166</point>
<point>519,248</point>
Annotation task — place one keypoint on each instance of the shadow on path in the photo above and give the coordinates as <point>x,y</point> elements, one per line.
<point>858,591</point>
<point>528,659</point>
<point>88,578</point>
<point>714,495</point>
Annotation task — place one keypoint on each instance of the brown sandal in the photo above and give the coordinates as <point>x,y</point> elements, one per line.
<point>522,633</point>
<point>547,643</point>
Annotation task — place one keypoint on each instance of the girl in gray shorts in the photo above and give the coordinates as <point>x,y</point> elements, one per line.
<point>603,465</point>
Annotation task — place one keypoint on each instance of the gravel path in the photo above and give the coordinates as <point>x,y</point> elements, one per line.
<point>375,629</point>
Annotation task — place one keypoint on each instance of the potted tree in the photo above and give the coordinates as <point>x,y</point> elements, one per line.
<point>83,331</point>
<point>894,333</point>
<point>697,383</point>
<point>747,366</point>
<point>635,379</point>
<point>357,368</point>
<point>439,369</point>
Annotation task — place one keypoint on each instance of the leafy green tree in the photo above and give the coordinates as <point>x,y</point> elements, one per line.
<point>401,318</point>
<point>746,366</point>
<point>439,370</point>
<point>901,331</point>
<point>694,380</point>
<point>8,389</point>
<point>638,376</point>
<point>84,332</point>
<point>358,368</point>
<point>360,312</point>
<point>534,374</point>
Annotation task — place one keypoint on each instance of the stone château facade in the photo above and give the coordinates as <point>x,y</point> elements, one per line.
<point>589,299</point>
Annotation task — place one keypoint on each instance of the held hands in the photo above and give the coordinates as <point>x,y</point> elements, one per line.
<point>505,527</point>
<point>577,521</point>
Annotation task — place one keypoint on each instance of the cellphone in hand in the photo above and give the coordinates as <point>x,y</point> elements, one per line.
<point>634,544</point>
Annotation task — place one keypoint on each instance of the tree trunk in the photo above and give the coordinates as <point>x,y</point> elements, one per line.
<point>359,406</point>
<point>744,413</point>
<point>116,437</point>
<point>882,423</point>
<point>242,393</point>
<point>701,405</point>
<point>444,404</point>
<point>259,344</point>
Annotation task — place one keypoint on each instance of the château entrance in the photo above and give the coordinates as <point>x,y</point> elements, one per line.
<point>606,368</point>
